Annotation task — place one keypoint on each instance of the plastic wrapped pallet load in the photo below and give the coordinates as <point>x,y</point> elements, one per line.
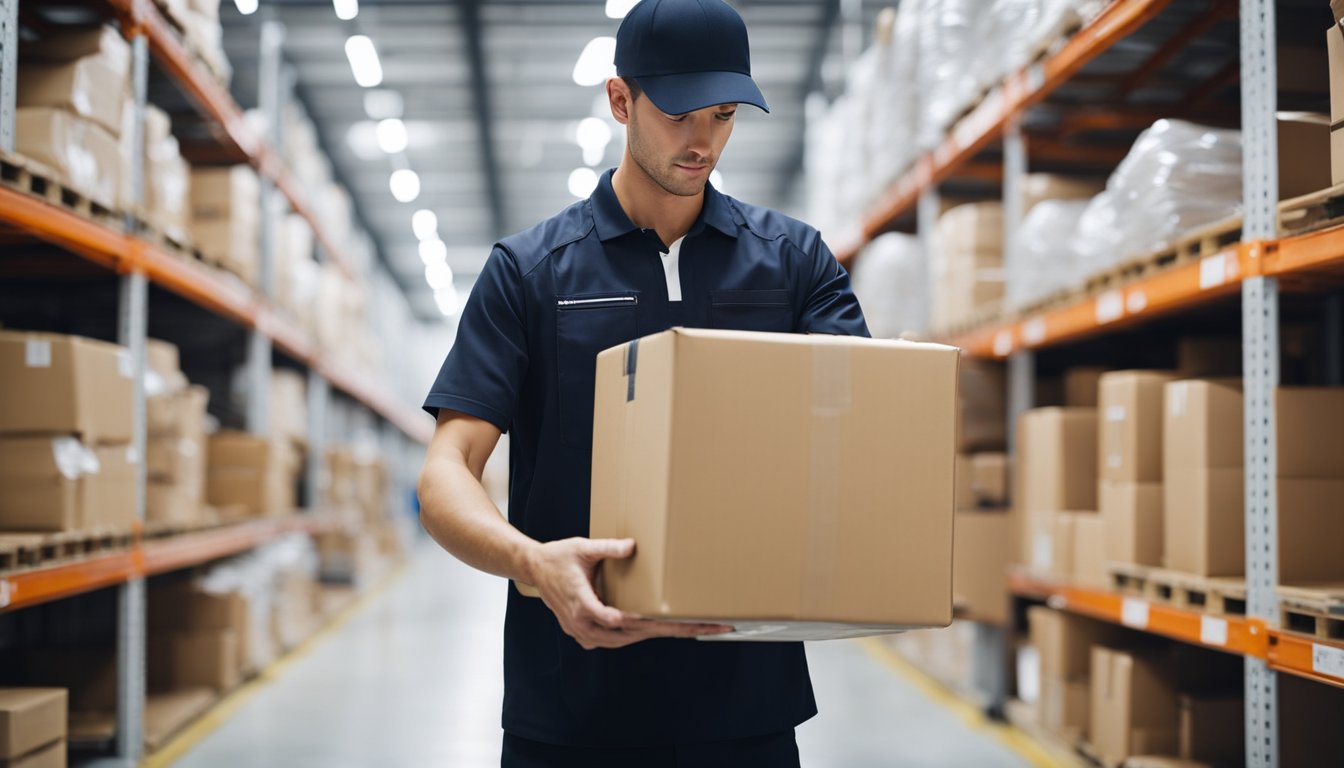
<point>890,285</point>
<point>1046,260</point>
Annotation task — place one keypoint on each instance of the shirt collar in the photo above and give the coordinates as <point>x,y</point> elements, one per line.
<point>611,222</point>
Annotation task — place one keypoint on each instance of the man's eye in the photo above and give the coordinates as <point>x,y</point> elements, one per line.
<point>725,116</point>
<point>677,118</point>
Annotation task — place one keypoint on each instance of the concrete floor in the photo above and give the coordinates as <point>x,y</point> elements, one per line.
<point>414,680</point>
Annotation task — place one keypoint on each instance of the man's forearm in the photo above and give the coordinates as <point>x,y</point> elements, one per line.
<point>460,516</point>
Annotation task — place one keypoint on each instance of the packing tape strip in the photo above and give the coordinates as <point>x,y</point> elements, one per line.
<point>832,399</point>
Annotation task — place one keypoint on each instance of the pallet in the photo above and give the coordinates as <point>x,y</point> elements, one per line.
<point>22,551</point>
<point>1309,213</point>
<point>33,178</point>
<point>1218,596</point>
<point>1191,246</point>
<point>1316,610</point>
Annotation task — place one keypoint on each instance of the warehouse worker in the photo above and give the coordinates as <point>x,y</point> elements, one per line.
<point>655,246</point>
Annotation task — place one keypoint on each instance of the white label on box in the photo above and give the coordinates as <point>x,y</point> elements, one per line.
<point>125,364</point>
<point>1003,343</point>
<point>37,354</point>
<point>132,455</point>
<point>1136,301</point>
<point>1115,413</point>
<point>1178,392</point>
<point>1134,613</point>
<point>1110,307</point>
<point>1033,332</point>
<point>1212,630</point>
<point>1327,661</point>
<point>1212,271</point>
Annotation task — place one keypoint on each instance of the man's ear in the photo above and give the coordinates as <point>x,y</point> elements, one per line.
<point>618,95</point>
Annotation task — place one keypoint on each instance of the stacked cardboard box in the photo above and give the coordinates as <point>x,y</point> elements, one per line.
<point>1334,41</point>
<point>66,462</point>
<point>253,473</point>
<point>297,610</point>
<point>33,726</point>
<point>1061,533</point>
<point>226,218</point>
<point>983,526</point>
<point>1303,139</point>
<point>196,638</point>
<point>1064,642</point>
<point>289,407</point>
<point>1130,453</point>
<point>357,481</point>
<point>1134,705</point>
<point>175,450</point>
<point>968,263</point>
<point>1202,478</point>
<point>167,195</point>
<point>71,88</point>
<point>1310,460</point>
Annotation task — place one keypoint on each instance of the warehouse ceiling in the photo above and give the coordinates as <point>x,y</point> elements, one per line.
<point>491,109</point>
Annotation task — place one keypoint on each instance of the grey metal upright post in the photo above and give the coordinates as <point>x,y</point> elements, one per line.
<point>259,344</point>
<point>132,330</point>
<point>1260,343</point>
<point>926,225</point>
<point>9,62</point>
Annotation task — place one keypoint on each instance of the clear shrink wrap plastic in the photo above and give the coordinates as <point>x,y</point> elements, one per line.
<point>890,285</point>
<point>1045,261</point>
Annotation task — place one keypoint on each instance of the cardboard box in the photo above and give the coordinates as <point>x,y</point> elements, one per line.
<point>52,755</point>
<point>1204,528</point>
<point>110,492</point>
<point>225,193</point>
<point>90,87</point>
<point>232,245</point>
<point>175,459</point>
<point>989,479</point>
<point>31,718</point>
<point>1213,730</point>
<point>1061,567</point>
<point>59,484</point>
<point>168,502</point>
<point>982,407</point>
<point>1337,156</point>
<point>973,231</point>
<point>251,471</point>
<point>163,360</point>
<point>1304,138</point>
<point>1310,527</point>
<point>855,488</point>
<point>1064,706</point>
<point>1134,708</point>
<point>81,153</point>
<point>1058,459</point>
<point>1203,426</point>
<point>1334,44</point>
<point>1089,551</point>
<point>1132,516</point>
<point>56,384</point>
<point>206,657</point>
<point>1082,386</point>
<point>289,406</point>
<point>1130,430</point>
<point>1064,641</point>
<point>1037,544</point>
<point>980,563</point>
<point>178,414</point>
<point>1309,424</point>
<point>1206,356</point>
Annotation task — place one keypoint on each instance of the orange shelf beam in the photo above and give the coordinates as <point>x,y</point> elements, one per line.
<point>41,585</point>
<point>1234,634</point>
<point>1307,656</point>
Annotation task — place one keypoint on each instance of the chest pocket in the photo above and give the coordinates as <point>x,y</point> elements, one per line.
<point>751,311</point>
<point>584,326</point>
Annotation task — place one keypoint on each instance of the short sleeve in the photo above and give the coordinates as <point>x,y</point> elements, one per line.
<point>484,370</point>
<point>831,306</point>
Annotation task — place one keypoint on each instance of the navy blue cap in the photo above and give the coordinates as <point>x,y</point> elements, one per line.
<point>687,55</point>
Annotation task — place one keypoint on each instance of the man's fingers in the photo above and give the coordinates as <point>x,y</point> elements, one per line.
<point>595,611</point>
<point>652,628</point>
<point>603,549</point>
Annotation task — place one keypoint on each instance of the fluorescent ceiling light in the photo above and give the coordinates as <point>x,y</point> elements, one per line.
<point>346,9</point>
<point>447,301</point>
<point>425,225</point>
<point>246,7</point>
<point>582,182</point>
<point>616,9</point>
<point>597,62</point>
<point>405,185</point>
<point>716,179</point>
<point>439,276</point>
<point>380,104</point>
<point>364,61</point>
<point>392,136</point>
<point>433,252</point>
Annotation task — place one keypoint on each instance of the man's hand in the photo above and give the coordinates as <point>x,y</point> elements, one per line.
<point>563,573</point>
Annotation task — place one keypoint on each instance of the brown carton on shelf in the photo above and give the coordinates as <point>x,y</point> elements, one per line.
<point>110,501</point>
<point>1058,458</point>
<point>1334,44</point>
<point>251,471</point>
<point>81,153</point>
<point>1202,425</point>
<point>289,406</point>
<point>169,502</point>
<point>974,230</point>
<point>1134,707</point>
<point>227,193</point>
<point>1204,529</point>
<point>1081,387</point>
<point>207,657</point>
<point>1303,139</point>
<point>30,718</point>
<point>52,755</point>
<point>1309,425</point>
<point>90,87</point>
<point>982,407</point>
<point>56,384</point>
<point>980,563</point>
<point>1061,567</point>
<point>1132,516</point>
<point>1213,730</point>
<point>1310,527</point>
<point>1337,156</point>
<point>854,488</point>
<point>1130,428</point>
<point>989,479</point>
<point>40,483</point>
<point>178,414</point>
<point>164,360</point>
<point>175,459</point>
<point>1064,706</point>
<point>1089,551</point>
<point>1064,641</point>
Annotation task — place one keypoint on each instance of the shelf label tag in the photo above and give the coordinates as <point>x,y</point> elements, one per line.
<point>125,364</point>
<point>1212,630</point>
<point>1033,332</point>
<point>1003,343</point>
<point>1212,271</point>
<point>1110,307</point>
<point>1134,613</point>
<point>1327,661</point>
<point>37,354</point>
<point>5,593</point>
<point>1136,301</point>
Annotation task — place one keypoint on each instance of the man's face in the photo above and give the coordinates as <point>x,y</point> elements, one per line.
<point>679,151</point>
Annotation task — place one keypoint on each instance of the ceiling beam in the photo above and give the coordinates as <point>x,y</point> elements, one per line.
<point>480,91</point>
<point>793,162</point>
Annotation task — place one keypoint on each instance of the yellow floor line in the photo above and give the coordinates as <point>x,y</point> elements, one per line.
<point>190,736</point>
<point>1021,743</point>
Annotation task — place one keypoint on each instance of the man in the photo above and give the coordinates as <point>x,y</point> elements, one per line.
<point>654,246</point>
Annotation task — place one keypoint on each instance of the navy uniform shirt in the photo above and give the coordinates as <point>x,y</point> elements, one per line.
<point>548,300</point>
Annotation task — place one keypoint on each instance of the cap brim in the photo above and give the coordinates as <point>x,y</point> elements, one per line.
<point>689,91</point>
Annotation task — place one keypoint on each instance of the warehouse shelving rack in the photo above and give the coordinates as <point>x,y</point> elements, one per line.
<point>1252,268</point>
<point>139,261</point>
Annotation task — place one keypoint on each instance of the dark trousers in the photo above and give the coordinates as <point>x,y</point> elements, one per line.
<point>777,750</point>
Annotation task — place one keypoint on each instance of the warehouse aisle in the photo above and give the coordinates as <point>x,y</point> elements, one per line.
<point>414,680</point>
